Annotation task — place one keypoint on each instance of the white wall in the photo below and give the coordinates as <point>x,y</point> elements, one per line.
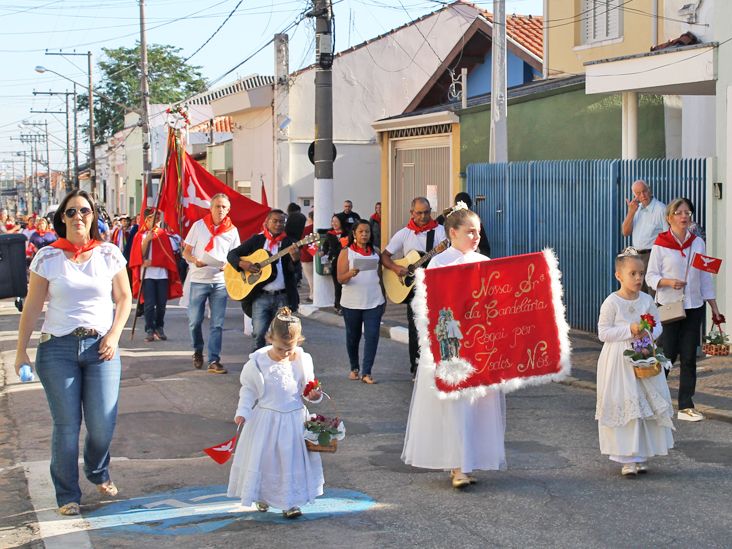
<point>674,25</point>
<point>698,123</point>
<point>252,148</point>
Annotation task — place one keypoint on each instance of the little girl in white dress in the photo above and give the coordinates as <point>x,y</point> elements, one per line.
<point>633,415</point>
<point>271,465</point>
<point>457,435</point>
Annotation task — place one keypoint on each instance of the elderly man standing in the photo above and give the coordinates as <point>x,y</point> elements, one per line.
<point>646,218</point>
<point>422,233</point>
<point>206,246</point>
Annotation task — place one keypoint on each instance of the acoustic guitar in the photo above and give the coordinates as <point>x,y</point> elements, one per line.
<point>398,287</point>
<point>239,284</point>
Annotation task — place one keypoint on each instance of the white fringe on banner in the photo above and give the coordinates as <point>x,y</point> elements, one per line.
<point>455,371</point>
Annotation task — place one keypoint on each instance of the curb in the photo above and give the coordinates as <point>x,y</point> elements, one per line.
<point>401,335</point>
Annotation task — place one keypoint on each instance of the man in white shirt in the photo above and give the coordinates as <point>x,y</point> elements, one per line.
<point>646,218</point>
<point>421,234</point>
<point>206,246</point>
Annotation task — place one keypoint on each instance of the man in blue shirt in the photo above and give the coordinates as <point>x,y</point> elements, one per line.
<point>646,218</point>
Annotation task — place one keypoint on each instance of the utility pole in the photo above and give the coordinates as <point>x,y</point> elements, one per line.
<point>76,140</point>
<point>323,158</point>
<point>499,92</point>
<point>92,131</point>
<point>145,95</point>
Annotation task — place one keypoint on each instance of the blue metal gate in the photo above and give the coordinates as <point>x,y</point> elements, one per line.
<point>577,208</point>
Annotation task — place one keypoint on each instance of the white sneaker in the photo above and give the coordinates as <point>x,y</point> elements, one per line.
<point>690,414</point>
<point>629,470</point>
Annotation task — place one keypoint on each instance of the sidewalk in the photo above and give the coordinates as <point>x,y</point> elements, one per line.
<point>714,374</point>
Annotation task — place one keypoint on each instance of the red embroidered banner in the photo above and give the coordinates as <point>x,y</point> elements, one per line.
<point>493,324</point>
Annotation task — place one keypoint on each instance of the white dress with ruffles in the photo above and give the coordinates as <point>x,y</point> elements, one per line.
<point>633,415</point>
<point>271,463</point>
<point>460,433</point>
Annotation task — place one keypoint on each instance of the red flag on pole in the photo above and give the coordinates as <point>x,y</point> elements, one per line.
<point>264,196</point>
<point>706,263</point>
<point>221,453</point>
<point>186,200</point>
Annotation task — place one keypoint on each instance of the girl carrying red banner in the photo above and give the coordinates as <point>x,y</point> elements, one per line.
<point>161,282</point>
<point>457,435</point>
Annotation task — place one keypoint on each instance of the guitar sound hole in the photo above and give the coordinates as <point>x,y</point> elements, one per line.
<point>253,277</point>
<point>408,280</point>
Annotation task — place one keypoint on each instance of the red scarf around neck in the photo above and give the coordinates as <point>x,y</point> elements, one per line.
<point>368,251</point>
<point>271,240</point>
<point>376,217</point>
<point>223,227</point>
<point>412,226</point>
<point>67,246</point>
<point>666,239</point>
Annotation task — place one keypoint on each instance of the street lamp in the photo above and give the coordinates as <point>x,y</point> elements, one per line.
<point>92,154</point>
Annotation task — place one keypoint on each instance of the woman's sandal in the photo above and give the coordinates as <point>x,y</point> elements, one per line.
<point>353,375</point>
<point>292,512</point>
<point>69,510</point>
<point>261,506</point>
<point>368,379</point>
<point>459,481</point>
<point>107,489</point>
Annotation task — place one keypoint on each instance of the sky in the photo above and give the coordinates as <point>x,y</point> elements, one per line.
<point>30,28</point>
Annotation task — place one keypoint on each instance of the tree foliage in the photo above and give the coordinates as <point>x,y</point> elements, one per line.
<point>169,80</point>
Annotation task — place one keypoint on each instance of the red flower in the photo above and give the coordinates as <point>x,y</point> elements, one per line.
<point>314,384</point>
<point>648,322</point>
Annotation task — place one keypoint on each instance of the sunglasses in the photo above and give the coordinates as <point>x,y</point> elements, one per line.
<point>71,212</point>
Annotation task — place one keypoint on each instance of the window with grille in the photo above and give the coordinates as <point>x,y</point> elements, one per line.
<point>601,20</point>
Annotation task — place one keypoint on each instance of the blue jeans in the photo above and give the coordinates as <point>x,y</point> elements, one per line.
<point>155,292</point>
<point>371,321</point>
<point>216,295</point>
<point>264,309</point>
<point>76,381</point>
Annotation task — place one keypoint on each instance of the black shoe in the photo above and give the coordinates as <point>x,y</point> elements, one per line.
<point>160,334</point>
<point>198,360</point>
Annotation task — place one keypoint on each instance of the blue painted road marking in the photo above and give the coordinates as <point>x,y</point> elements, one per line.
<point>205,509</point>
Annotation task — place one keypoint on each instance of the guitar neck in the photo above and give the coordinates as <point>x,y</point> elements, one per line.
<point>283,252</point>
<point>429,255</point>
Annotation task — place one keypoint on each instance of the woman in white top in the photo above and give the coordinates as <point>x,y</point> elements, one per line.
<point>362,299</point>
<point>456,435</point>
<point>670,273</point>
<point>77,358</point>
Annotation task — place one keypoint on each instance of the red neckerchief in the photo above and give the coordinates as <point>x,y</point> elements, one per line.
<point>368,251</point>
<point>67,246</point>
<point>412,226</point>
<point>667,240</point>
<point>215,231</point>
<point>376,217</point>
<point>41,233</point>
<point>272,242</point>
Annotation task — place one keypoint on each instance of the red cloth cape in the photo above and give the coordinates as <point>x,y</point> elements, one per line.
<point>162,256</point>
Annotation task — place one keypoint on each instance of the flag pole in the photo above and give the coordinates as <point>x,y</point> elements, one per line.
<point>155,220</point>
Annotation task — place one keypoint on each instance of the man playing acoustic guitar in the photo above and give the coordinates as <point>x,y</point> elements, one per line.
<point>263,302</point>
<point>421,234</point>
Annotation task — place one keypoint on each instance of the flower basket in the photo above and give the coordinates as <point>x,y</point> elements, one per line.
<point>315,447</point>
<point>645,357</point>
<point>716,342</point>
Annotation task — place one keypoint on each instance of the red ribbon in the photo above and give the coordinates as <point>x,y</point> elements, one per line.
<point>412,226</point>
<point>223,227</point>
<point>67,246</point>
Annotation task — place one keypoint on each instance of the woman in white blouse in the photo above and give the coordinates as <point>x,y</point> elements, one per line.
<point>670,273</point>
<point>77,359</point>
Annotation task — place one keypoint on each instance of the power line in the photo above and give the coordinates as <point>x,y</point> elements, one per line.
<point>216,31</point>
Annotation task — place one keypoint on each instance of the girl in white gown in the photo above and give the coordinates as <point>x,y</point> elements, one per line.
<point>633,415</point>
<point>271,465</point>
<point>457,435</point>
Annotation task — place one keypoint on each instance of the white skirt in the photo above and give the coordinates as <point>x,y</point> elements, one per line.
<point>271,463</point>
<point>450,434</point>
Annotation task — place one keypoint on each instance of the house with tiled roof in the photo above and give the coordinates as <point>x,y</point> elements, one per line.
<point>409,67</point>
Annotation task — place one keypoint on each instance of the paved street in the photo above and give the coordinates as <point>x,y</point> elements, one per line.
<point>558,491</point>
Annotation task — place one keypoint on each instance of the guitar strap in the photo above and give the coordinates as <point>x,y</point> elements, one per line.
<point>430,241</point>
